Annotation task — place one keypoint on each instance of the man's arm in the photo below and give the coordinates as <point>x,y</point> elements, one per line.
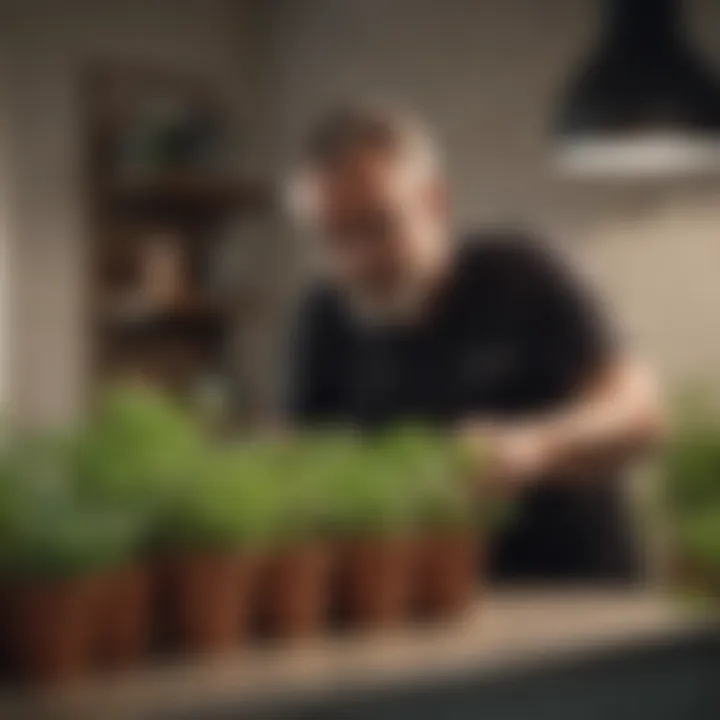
<point>599,405</point>
<point>617,415</point>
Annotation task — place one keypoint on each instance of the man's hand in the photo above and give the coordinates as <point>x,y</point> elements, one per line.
<point>511,455</point>
<point>616,417</point>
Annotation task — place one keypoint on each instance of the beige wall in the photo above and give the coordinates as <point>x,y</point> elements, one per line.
<point>486,74</point>
<point>658,269</point>
<point>5,231</point>
<point>49,44</point>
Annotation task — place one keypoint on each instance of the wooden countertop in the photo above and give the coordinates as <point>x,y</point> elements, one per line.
<point>504,630</point>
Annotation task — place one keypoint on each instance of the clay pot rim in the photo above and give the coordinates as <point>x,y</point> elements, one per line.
<point>53,580</point>
<point>463,526</point>
<point>405,534</point>
<point>196,552</point>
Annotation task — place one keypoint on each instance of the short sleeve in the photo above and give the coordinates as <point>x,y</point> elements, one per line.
<point>566,335</point>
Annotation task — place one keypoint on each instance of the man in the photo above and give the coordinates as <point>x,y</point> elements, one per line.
<point>490,335</point>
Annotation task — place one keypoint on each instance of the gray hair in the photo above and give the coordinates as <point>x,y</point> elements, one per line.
<point>340,133</point>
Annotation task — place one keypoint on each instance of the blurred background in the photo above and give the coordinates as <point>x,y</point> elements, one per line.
<point>143,146</point>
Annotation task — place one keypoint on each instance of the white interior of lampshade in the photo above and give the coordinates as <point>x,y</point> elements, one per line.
<point>659,154</point>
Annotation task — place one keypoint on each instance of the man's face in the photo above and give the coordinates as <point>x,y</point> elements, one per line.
<point>380,221</point>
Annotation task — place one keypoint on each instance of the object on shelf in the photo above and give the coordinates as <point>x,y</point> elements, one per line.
<point>295,597</point>
<point>125,616</point>
<point>168,131</point>
<point>164,274</point>
<point>163,186</point>
<point>448,567</point>
<point>184,194</point>
<point>689,507</point>
<point>142,502</point>
<point>209,599</point>
<point>376,580</point>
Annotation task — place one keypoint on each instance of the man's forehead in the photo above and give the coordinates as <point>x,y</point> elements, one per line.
<point>369,178</point>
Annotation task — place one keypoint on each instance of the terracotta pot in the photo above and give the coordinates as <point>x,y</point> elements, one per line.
<point>124,616</point>
<point>6,663</point>
<point>375,580</point>
<point>296,590</point>
<point>687,575</point>
<point>209,600</point>
<point>54,626</point>
<point>448,573</point>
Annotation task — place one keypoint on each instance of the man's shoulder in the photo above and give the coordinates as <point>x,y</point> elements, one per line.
<point>494,250</point>
<point>510,261</point>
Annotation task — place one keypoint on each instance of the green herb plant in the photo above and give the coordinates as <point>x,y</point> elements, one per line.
<point>395,482</point>
<point>46,530</point>
<point>234,503</point>
<point>690,489</point>
<point>138,452</point>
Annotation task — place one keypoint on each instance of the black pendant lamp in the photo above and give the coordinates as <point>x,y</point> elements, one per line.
<point>643,104</point>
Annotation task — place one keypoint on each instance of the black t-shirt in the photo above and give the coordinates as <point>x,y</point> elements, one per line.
<point>510,333</point>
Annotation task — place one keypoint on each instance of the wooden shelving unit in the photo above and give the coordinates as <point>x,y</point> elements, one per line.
<point>174,339</point>
<point>183,195</point>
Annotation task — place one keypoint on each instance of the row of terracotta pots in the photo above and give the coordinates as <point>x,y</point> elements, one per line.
<point>211,602</point>
<point>694,579</point>
<point>57,629</point>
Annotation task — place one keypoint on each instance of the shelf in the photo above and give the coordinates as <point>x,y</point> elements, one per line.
<point>504,636</point>
<point>185,194</point>
<point>138,190</point>
<point>190,318</point>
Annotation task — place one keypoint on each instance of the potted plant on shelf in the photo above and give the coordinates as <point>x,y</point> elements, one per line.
<point>455,517</point>
<point>55,552</point>
<point>138,449</point>
<point>690,500</point>
<point>136,454</point>
<point>295,596</point>
<point>215,538</point>
<point>372,514</point>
